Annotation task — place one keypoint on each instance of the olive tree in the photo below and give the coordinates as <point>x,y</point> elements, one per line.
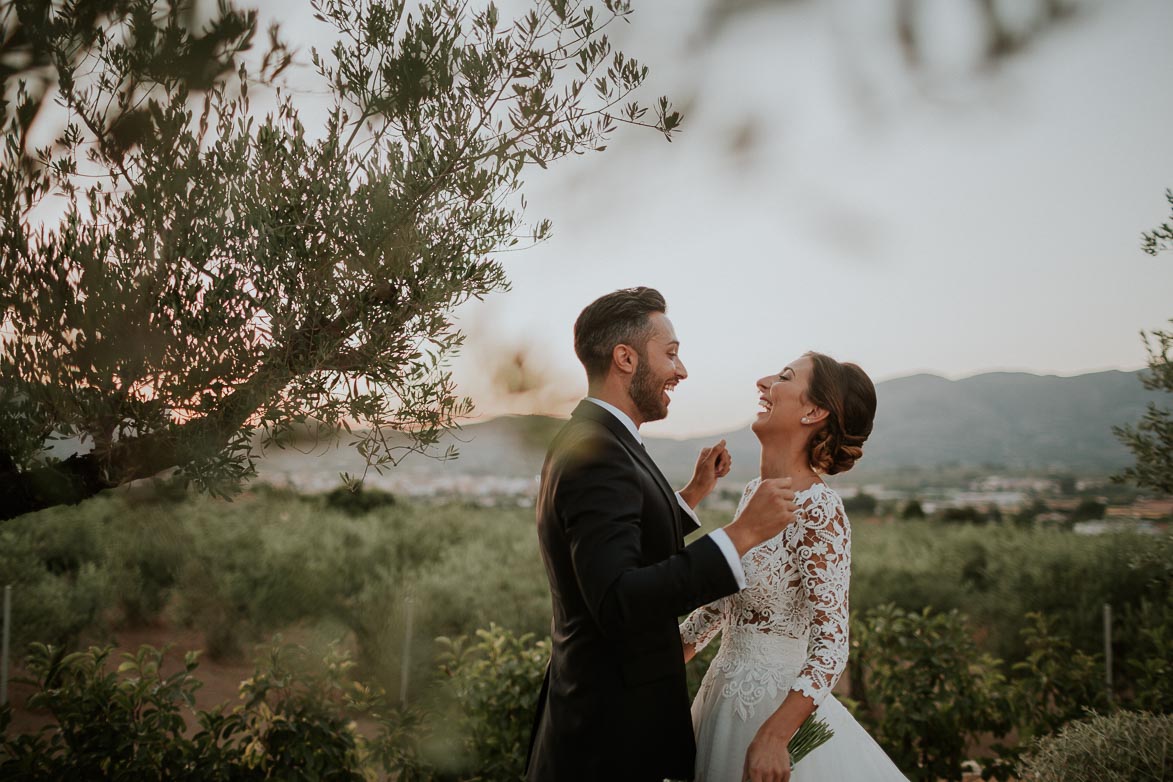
<point>170,294</point>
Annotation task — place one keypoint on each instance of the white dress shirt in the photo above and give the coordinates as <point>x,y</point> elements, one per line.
<point>720,537</point>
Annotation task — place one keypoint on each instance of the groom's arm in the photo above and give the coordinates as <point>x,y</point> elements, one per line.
<point>721,538</point>
<point>600,501</point>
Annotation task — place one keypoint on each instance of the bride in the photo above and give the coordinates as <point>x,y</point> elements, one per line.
<point>784,637</point>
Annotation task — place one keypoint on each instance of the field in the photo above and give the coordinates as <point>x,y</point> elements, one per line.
<point>155,567</point>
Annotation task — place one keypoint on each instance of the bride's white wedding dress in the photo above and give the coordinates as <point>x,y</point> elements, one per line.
<point>787,630</point>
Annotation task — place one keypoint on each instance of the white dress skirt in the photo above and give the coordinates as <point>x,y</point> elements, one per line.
<point>786,630</point>
<point>724,730</point>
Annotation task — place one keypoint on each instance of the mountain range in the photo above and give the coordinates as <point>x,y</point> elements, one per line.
<point>1001,421</point>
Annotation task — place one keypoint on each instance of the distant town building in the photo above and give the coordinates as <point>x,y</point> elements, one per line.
<point>1143,509</point>
<point>1104,526</point>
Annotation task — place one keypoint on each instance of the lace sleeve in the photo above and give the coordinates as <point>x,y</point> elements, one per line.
<point>702,625</point>
<point>825,568</point>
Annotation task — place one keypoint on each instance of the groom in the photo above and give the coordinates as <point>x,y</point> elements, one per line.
<point>614,705</point>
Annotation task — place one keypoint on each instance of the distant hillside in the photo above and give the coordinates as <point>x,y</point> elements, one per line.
<point>1009,420</point>
<point>1013,419</point>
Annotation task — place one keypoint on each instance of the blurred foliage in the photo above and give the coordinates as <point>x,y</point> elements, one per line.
<point>217,271</point>
<point>1151,439</point>
<point>1008,650</point>
<point>997,574</point>
<point>495,680</point>
<point>297,717</point>
<point>132,722</point>
<point>1161,237</point>
<point>1026,515</point>
<point>1002,30</point>
<point>964,513</point>
<point>170,40</point>
<point>307,716</point>
<point>860,504</point>
<point>358,499</point>
<point>1149,623</point>
<point>1089,509</point>
<point>242,570</point>
<point>1122,747</point>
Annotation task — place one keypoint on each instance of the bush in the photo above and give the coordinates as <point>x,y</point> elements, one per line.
<point>295,720</point>
<point>927,693</point>
<point>496,682</point>
<point>1055,683</point>
<point>913,510</point>
<point>357,501</point>
<point>142,547</point>
<point>108,725</point>
<point>997,574</point>
<point>963,514</point>
<point>1121,747</point>
<point>1088,510</point>
<point>1150,669</point>
<point>239,571</point>
<point>56,594</point>
<point>860,504</point>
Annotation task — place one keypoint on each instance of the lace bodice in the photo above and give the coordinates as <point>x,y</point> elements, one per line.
<point>789,626</point>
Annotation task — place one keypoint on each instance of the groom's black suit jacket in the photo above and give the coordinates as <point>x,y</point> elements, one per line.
<point>614,704</point>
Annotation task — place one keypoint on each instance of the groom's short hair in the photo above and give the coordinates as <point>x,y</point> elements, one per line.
<point>618,318</point>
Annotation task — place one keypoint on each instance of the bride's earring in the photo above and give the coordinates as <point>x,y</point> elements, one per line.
<point>805,420</point>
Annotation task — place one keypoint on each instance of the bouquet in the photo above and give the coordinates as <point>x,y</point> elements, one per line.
<point>811,735</point>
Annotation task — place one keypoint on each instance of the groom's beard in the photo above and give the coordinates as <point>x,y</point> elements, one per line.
<point>645,392</point>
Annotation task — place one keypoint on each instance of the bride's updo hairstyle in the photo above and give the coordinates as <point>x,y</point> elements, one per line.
<point>849,397</point>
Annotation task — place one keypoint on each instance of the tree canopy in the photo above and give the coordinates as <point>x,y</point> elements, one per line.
<point>181,271</point>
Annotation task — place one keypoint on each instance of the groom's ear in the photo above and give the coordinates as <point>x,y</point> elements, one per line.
<point>625,359</point>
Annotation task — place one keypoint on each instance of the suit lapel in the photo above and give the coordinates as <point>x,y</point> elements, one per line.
<point>595,413</point>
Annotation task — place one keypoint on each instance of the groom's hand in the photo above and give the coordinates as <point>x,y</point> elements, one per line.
<point>769,511</point>
<point>712,465</point>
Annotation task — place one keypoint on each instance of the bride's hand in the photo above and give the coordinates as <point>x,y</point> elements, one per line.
<point>767,759</point>
<point>713,464</point>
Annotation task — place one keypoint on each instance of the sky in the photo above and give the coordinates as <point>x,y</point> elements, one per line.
<point>955,219</point>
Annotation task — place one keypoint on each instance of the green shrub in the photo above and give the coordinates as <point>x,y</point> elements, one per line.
<point>55,605</point>
<point>144,553</point>
<point>294,720</point>
<point>963,514</point>
<point>1150,667</point>
<point>1121,747</point>
<point>927,692</point>
<point>1055,683</point>
<point>270,560</point>
<point>997,574</point>
<point>108,725</point>
<point>860,504</point>
<point>495,681</point>
<point>357,501</point>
